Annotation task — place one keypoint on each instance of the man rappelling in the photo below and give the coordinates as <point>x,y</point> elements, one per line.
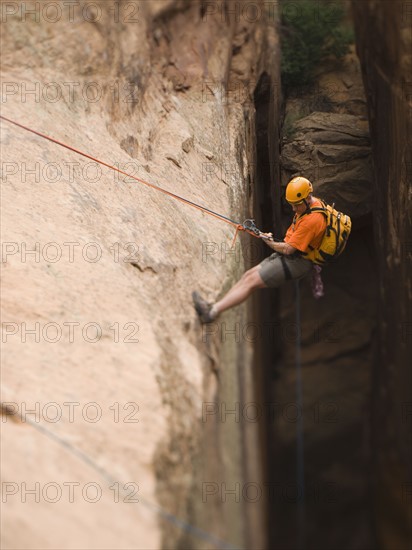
<point>317,234</point>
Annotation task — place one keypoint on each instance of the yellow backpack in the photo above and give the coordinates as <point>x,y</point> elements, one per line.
<point>338,227</point>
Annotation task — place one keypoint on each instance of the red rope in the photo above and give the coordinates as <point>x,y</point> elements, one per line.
<point>238,226</point>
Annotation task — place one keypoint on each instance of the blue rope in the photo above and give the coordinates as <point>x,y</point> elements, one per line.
<point>300,473</point>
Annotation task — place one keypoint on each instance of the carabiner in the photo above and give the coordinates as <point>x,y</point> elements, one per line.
<point>249,225</point>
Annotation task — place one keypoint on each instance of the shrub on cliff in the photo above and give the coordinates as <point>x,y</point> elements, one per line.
<point>311,32</point>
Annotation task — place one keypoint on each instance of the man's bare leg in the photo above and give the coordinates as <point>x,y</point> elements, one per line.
<point>250,281</point>
<point>236,295</point>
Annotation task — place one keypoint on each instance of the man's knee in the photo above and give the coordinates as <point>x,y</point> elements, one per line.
<point>252,278</point>
<point>249,274</point>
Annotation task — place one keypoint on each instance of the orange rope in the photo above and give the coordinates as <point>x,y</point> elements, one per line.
<point>238,226</point>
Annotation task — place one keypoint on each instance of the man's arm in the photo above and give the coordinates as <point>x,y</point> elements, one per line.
<point>282,247</point>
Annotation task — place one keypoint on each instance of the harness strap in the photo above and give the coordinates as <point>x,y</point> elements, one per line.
<point>288,274</point>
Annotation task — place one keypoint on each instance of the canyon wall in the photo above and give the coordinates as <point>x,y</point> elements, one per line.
<point>112,392</point>
<point>325,137</point>
<point>384,43</point>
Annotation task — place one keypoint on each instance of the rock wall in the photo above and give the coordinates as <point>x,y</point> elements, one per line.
<point>325,136</point>
<point>384,40</point>
<point>143,86</point>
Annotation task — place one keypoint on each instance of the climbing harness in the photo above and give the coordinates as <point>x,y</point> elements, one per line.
<point>317,283</point>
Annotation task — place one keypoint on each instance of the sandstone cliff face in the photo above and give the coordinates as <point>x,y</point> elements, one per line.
<point>384,41</point>
<point>145,91</point>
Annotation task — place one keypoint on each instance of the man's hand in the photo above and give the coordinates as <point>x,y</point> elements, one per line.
<point>280,247</point>
<point>267,236</point>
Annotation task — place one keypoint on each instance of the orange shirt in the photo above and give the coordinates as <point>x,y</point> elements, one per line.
<point>307,230</point>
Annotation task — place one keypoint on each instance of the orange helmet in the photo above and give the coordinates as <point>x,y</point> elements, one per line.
<point>298,190</point>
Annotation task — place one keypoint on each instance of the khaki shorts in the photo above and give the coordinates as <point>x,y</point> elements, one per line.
<point>278,268</point>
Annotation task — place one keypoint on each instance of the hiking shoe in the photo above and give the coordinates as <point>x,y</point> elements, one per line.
<point>202,308</point>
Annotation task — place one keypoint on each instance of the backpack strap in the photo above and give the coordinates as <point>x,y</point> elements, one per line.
<point>314,209</point>
<point>319,208</point>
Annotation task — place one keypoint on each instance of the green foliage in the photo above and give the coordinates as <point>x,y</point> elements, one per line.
<point>289,129</point>
<point>312,30</point>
